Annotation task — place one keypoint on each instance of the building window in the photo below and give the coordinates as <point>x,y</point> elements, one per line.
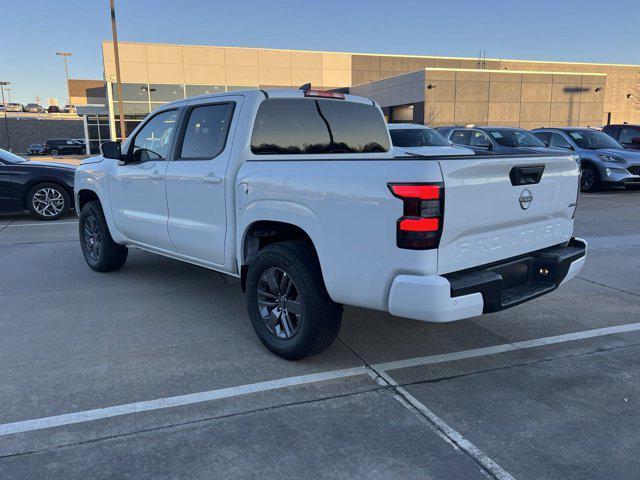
<point>159,92</point>
<point>131,92</point>
<point>97,132</point>
<point>132,110</point>
<point>194,90</point>
<point>232,88</point>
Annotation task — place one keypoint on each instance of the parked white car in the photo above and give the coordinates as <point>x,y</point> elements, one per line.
<point>413,139</point>
<point>299,195</point>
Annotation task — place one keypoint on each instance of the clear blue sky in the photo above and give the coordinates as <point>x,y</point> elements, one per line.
<point>570,30</point>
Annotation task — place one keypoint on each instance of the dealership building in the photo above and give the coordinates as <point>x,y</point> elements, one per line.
<point>423,89</point>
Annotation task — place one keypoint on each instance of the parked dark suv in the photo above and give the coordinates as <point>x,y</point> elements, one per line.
<point>62,146</point>
<point>627,135</point>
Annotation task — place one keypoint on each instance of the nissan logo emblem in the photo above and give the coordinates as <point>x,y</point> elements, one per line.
<point>526,197</point>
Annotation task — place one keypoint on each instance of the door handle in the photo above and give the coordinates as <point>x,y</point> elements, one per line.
<point>211,179</point>
<point>156,176</point>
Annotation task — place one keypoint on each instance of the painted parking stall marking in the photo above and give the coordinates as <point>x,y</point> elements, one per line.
<point>374,371</point>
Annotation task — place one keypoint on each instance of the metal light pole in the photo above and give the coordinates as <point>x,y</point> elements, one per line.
<point>8,90</point>
<point>66,72</point>
<point>123,135</point>
<point>6,123</point>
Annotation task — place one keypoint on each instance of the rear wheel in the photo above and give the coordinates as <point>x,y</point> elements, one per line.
<point>590,178</point>
<point>100,251</point>
<point>48,201</point>
<point>290,309</point>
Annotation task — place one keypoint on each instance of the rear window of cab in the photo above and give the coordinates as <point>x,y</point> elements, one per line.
<point>293,126</point>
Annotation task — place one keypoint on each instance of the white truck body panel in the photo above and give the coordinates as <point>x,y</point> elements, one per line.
<point>200,212</point>
<point>478,189</point>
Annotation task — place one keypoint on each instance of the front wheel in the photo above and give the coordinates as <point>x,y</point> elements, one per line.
<point>589,179</point>
<point>48,201</point>
<point>55,152</point>
<point>290,309</point>
<point>100,251</point>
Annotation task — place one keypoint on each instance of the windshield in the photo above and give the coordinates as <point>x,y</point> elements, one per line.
<point>516,138</point>
<point>417,137</point>
<point>593,139</point>
<point>8,157</point>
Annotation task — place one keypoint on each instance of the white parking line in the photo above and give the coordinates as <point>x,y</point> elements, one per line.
<point>41,224</point>
<point>449,433</point>
<point>181,400</point>
<point>507,347</point>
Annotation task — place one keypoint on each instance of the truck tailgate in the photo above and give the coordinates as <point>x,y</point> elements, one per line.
<point>498,207</point>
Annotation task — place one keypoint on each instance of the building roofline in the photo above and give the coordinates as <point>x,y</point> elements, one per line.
<point>534,72</point>
<point>466,70</point>
<point>385,54</point>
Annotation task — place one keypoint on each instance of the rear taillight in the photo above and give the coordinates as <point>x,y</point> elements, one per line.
<point>420,226</point>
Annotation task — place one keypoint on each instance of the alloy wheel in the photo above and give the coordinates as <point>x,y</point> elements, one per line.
<point>48,202</point>
<point>279,303</point>
<point>92,237</point>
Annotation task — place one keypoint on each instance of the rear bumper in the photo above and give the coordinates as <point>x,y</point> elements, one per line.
<point>488,288</point>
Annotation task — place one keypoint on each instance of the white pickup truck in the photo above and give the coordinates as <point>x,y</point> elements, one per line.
<point>299,195</point>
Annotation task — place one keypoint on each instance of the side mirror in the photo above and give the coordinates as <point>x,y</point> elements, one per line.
<point>111,150</point>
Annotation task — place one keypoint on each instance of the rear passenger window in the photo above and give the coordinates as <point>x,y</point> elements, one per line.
<point>460,137</point>
<point>628,133</point>
<point>557,140</point>
<point>290,126</point>
<point>206,131</point>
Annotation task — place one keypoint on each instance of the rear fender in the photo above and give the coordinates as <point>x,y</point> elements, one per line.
<point>279,211</point>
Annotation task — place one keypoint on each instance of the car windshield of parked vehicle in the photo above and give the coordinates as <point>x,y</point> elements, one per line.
<point>290,126</point>
<point>593,139</point>
<point>516,138</point>
<point>417,137</point>
<point>8,157</point>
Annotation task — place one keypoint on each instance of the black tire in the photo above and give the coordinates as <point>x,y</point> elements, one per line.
<point>590,178</point>
<point>48,201</point>
<point>83,151</point>
<point>55,152</point>
<point>102,254</point>
<point>320,318</point>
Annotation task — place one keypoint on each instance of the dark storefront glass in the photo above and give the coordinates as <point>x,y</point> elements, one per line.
<point>194,90</point>
<point>165,93</point>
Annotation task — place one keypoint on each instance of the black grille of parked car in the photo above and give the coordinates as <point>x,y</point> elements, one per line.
<point>634,170</point>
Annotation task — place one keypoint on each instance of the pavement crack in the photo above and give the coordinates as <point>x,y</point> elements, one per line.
<point>10,222</point>
<point>609,286</point>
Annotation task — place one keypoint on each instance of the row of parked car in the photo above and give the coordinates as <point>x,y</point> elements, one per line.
<point>35,108</point>
<point>58,146</point>
<point>610,157</point>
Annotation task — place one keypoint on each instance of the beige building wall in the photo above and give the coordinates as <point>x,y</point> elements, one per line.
<point>227,66</point>
<point>270,68</point>
<point>496,97</point>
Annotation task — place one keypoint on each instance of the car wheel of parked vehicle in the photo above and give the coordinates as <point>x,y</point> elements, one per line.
<point>288,303</point>
<point>590,179</point>
<point>55,152</point>
<point>48,201</point>
<point>100,251</point>
<point>83,151</point>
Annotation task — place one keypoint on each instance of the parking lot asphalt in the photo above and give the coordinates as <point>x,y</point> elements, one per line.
<point>155,372</point>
